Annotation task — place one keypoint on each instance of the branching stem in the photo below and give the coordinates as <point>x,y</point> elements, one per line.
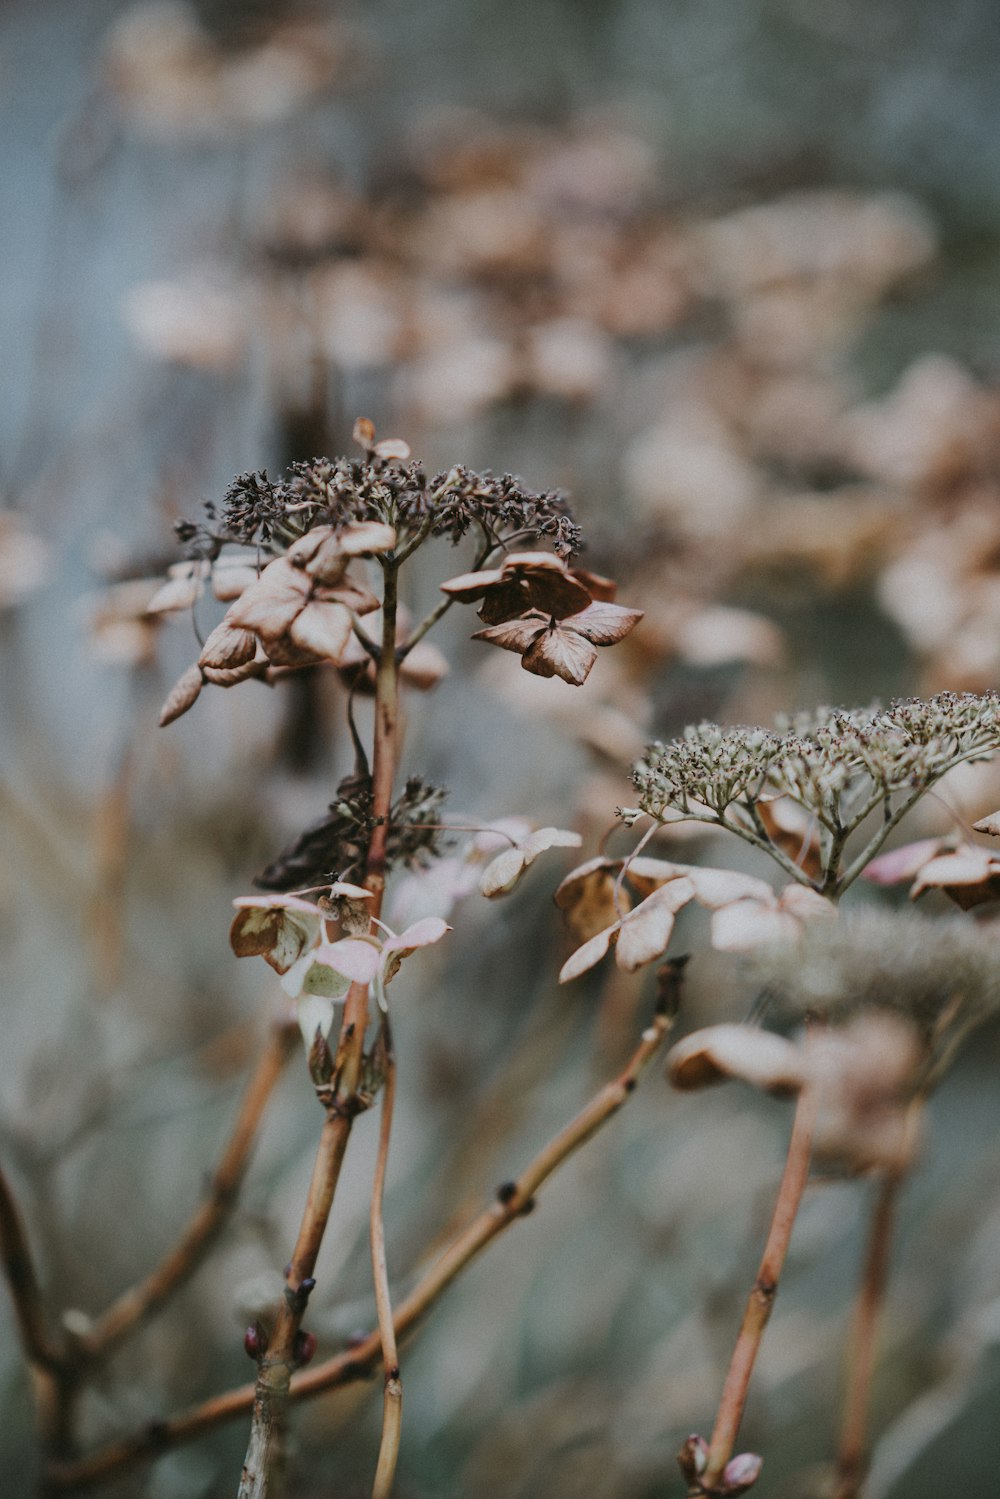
<point>512,1202</point>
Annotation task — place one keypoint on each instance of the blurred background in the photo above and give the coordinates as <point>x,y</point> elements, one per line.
<point>727,273</point>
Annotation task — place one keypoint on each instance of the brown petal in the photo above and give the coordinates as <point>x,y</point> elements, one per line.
<point>555,594</point>
<point>516,635</point>
<point>269,605</point>
<point>308,547</point>
<point>736,1051</point>
<point>604,624</point>
<point>603,590</point>
<point>505,600</point>
<point>228,646</point>
<point>364,433</point>
<point>181,696</point>
<point>647,875</point>
<point>323,629</point>
<point>560,653</point>
<point>587,898</point>
<point>791,829</point>
<point>468,587</point>
<point>229,583</point>
<point>533,562</point>
<point>393,448</point>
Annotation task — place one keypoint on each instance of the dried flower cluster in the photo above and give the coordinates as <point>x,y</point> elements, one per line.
<point>837,766</point>
<point>385,486</point>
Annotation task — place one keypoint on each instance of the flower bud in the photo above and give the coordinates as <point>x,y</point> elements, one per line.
<point>304,1347</point>
<point>692,1459</point>
<point>741,1473</point>
<point>255,1341</point>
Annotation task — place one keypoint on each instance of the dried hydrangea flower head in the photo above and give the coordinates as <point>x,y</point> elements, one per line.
<point>838,766</point>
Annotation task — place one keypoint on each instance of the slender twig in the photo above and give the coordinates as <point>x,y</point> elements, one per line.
<point>514,1199</point>
<point>392,1395</point>
<point>22,1282</point>
<point>761,1300</point>
<point>141,1301</point>
<point>852,1451</point>
<point>263,1467</point>
<point>852,1454</point>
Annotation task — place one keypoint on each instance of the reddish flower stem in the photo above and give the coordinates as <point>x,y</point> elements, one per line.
<point>761,1299</point>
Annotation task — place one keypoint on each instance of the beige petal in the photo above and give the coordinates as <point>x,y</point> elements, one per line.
<point>646,931</point>
<point>599,588</point>
<point>364,433</point>
<point>231,676</point>
<point>424,666</point>
<point>229,583</point>
<point>588,955</point>
<point>990,824</point>
<point>804,903</point>
<point>323,629</point>
<point>604,624</point>
<point>176,593</point>
<point>747,924</point>
<point>720,887</point>
<point>366,537</point>
<point>228,646</point>
<point>971,877</point>
<point>393,448</point>
<point>736,1051</point>
<point>901,864</point>
<point>560,653</point>
<point>503,872</point>
<point>181,696</point>
<point>269,606</point>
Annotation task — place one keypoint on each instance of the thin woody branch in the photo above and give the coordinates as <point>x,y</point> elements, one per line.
<point>22,1282</point>
<point>142,1301</point>
<point>761,1299</point>
<point>392,1394</point>
<point>514,1199</point>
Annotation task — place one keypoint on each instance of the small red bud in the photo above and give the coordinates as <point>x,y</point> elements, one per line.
<point>304,1347</point>
<point>255,1341</point>
<point>741,1473</point>
<point>693,1458</point>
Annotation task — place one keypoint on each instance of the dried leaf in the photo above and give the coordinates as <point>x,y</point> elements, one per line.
<point>719,1052</point>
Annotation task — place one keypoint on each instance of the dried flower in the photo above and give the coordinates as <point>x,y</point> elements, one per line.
<point>563,647</point>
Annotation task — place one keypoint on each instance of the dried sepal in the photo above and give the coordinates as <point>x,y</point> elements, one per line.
<point>760,921</point>
<point>990,825</point>
<point>423,933</point>
<point>269,606</point>
<point>586,897</point>
<point>278,928</point>
<point>228,646</point>
<point>554,647</point>
<point>502,873</point>
<point>721,1052</point>
<point>902,864</point>
<point>182,696</point>
<point>970,876</point>
<point>322,629</point>
<point>176,593</point>
<point>638,936</point>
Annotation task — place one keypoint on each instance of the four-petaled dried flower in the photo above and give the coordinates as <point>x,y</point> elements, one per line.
<point>565,647</point>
